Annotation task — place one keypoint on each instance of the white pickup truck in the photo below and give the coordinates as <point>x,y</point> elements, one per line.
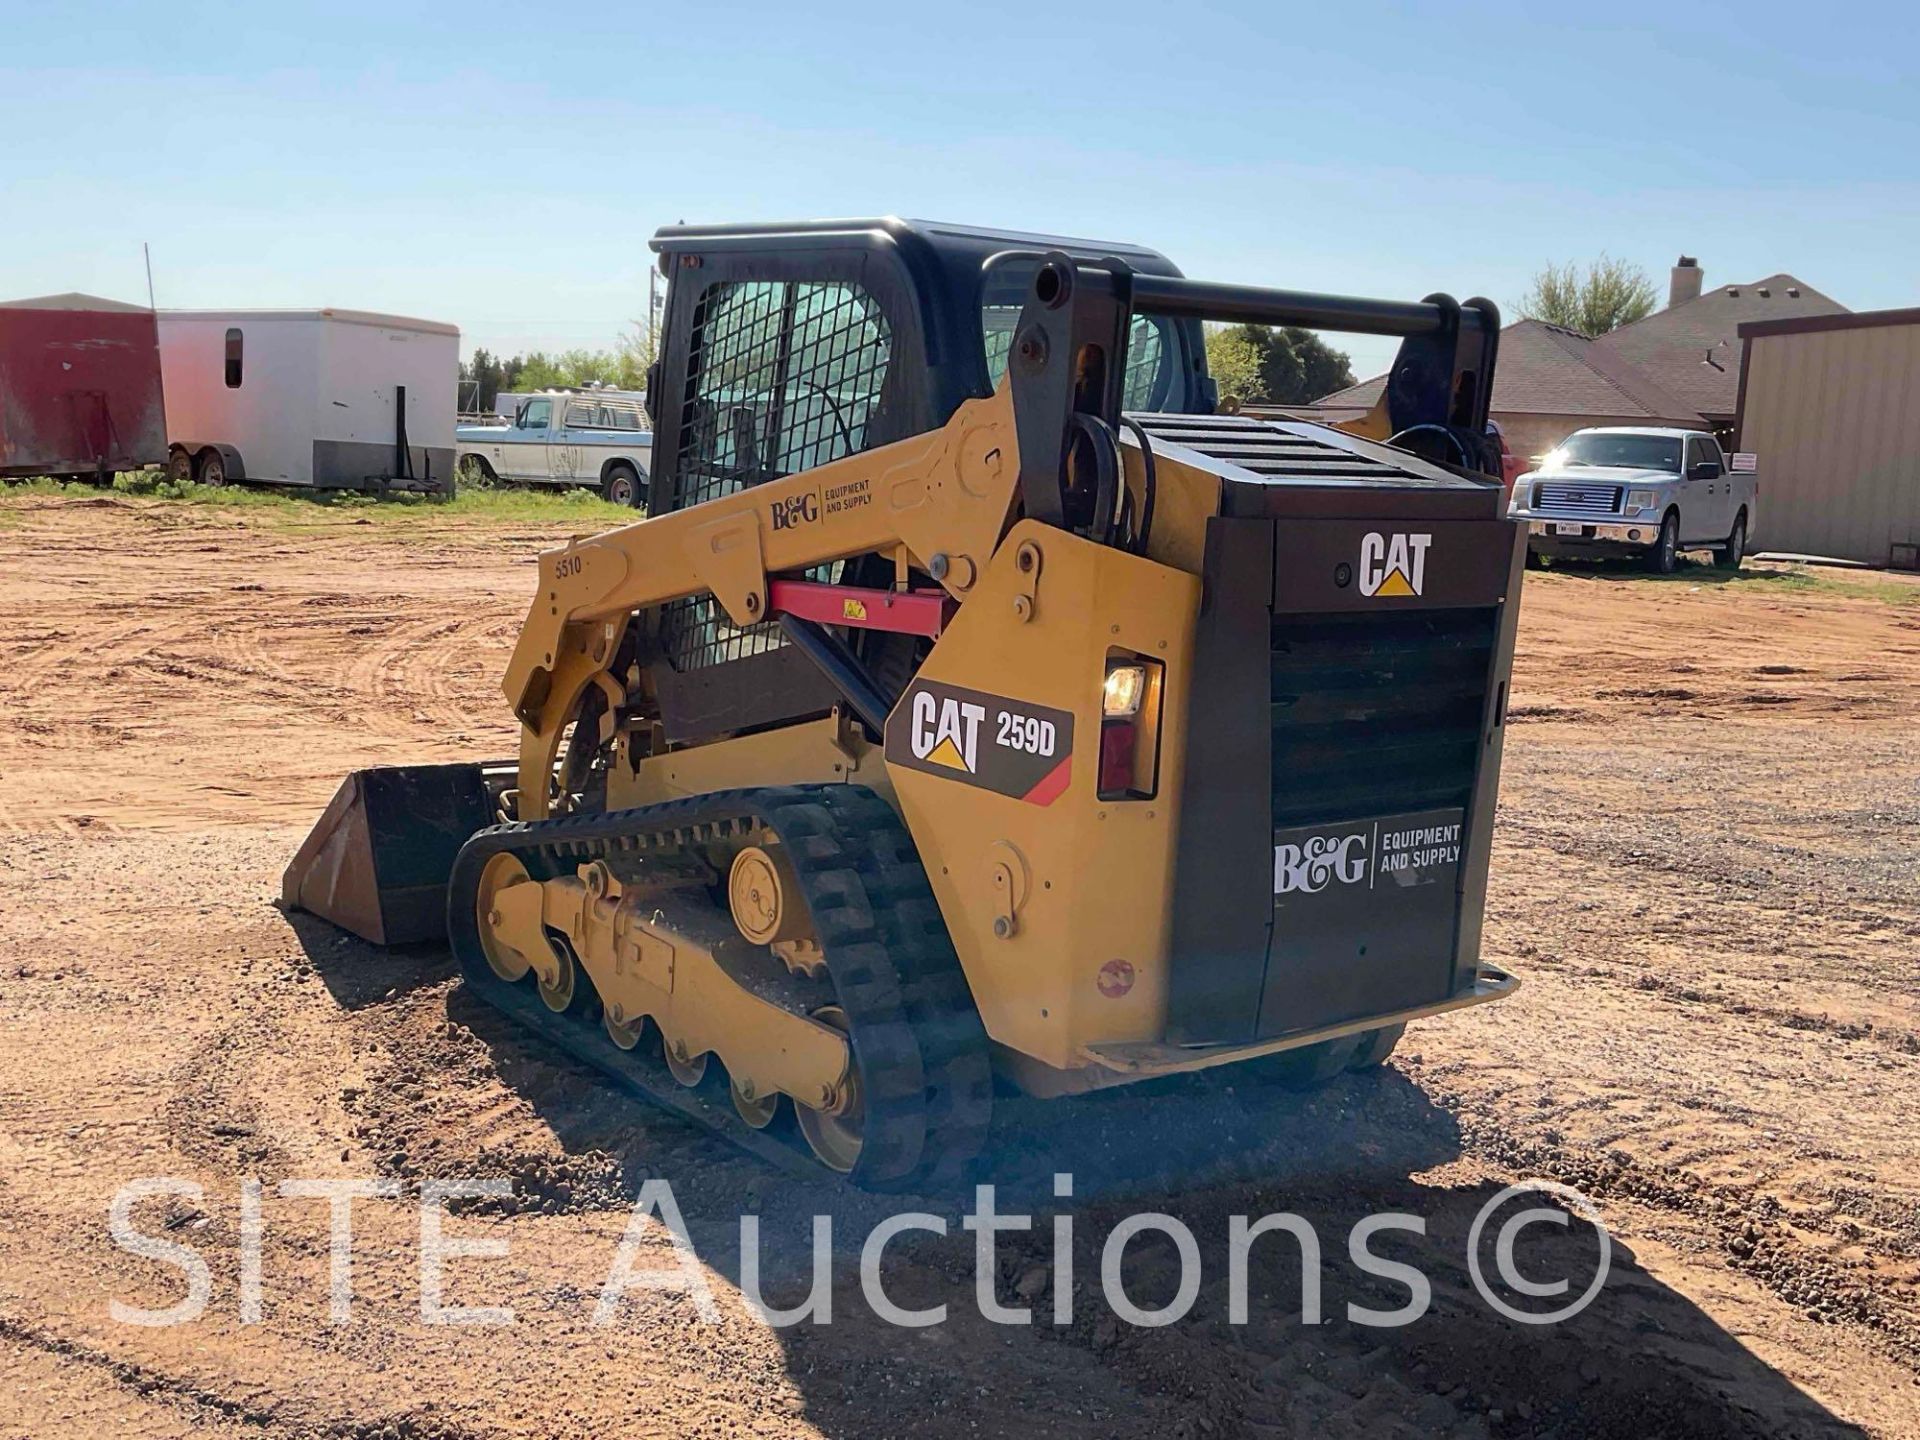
<point>1638,490</point>
<point>566,437</point>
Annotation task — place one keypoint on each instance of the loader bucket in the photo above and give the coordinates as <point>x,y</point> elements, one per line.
<point>378,860</point>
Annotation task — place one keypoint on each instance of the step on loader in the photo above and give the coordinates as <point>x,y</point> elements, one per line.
<point>979,706</point>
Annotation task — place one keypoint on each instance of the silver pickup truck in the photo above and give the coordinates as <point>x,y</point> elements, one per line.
<point>565,437</point>
<point>1631,490</point>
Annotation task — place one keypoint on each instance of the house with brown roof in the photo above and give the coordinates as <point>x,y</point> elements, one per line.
<point>1547,383</point>
<point>1678,366</point>
<point>1692,348</point>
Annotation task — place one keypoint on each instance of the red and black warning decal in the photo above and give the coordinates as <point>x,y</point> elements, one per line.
<point>1010,746</point>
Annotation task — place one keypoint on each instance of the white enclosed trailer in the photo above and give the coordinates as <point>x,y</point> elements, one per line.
<point>330,399</point>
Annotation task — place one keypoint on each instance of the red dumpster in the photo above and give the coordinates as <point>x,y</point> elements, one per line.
<point>79,387</point>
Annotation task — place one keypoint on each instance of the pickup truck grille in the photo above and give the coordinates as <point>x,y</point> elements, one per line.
<point>1571,495</point>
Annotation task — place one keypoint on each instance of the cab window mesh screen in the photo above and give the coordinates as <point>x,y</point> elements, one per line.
<point>1146,358</point>
<point>786,375</point>
<point>1148,374</point>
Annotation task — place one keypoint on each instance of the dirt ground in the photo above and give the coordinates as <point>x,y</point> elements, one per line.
<point>1705,871</point>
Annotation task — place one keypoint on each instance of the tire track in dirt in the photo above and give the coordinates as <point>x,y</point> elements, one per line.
<point>1749,1226</point>
<point>409,675</point>
<point>202,1401</point>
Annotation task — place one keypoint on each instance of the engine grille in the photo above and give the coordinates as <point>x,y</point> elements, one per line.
<point>1285,450</point>
<point>1376,714</point>
<point>1584,499</point>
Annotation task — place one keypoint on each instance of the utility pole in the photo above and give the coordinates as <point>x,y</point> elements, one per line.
<point>653,311</point>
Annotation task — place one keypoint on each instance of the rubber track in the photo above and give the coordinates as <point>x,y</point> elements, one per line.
<point>920,1045</point>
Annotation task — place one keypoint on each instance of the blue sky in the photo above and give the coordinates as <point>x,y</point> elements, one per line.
<point>501,167</point>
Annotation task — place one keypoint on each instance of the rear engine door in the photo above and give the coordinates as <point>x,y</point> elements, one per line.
<point>1349,679</point>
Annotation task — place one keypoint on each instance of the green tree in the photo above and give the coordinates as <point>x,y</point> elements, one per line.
<point>481,381</point>
<point>1258,365</point>
<point>1323,369</point>
<point>1607,294</point>
<point>1236,357</point>
<point>624,367</point>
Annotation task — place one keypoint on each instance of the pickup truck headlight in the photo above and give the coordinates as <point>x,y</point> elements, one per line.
<point>1640,500</point>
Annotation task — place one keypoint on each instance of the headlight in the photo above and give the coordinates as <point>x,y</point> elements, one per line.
<point>1125,685</point>
<point>1640,500</point>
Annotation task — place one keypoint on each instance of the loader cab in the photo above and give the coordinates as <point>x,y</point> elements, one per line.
<point>789,346</point>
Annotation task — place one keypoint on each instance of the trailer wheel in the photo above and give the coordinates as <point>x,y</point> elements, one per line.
<point>213,468</point>
<point>621,485</point>
<point>179,466</point>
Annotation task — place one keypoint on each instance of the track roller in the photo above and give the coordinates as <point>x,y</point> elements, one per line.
<point>688,1069</point>
<point>755,1109</point>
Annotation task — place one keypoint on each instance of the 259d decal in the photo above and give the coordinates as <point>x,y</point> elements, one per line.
<point>1009,746</point>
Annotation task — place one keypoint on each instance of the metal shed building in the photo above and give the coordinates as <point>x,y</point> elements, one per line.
<point>1831,406</point>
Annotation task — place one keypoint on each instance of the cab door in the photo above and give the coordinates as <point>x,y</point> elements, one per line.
<point>532,432</point>
<point>1705,513</point>
<point>566,450</point>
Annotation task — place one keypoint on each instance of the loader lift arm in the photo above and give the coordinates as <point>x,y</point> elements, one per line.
<point>946,496</point>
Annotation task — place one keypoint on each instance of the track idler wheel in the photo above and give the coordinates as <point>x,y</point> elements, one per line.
<point>502,872</point>
<point>836,1131</point>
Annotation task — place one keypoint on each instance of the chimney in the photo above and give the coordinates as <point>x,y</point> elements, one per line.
<point>1685,284</point>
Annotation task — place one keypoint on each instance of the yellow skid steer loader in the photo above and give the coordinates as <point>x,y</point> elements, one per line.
<point>977,702</point>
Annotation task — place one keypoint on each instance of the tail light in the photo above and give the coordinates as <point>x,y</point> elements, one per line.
<point>1117,741</point>
<point>1130,727</point>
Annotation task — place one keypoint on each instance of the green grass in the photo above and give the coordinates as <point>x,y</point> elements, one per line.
<point>568,506</point>
<point>1768,577</point>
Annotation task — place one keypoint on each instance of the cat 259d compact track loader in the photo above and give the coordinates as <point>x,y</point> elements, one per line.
<point>976,701</point>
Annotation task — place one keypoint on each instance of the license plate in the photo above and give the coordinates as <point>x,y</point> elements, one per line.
<point>1569,529</point>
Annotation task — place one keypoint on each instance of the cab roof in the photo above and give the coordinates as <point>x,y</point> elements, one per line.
<point>975,243</point>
